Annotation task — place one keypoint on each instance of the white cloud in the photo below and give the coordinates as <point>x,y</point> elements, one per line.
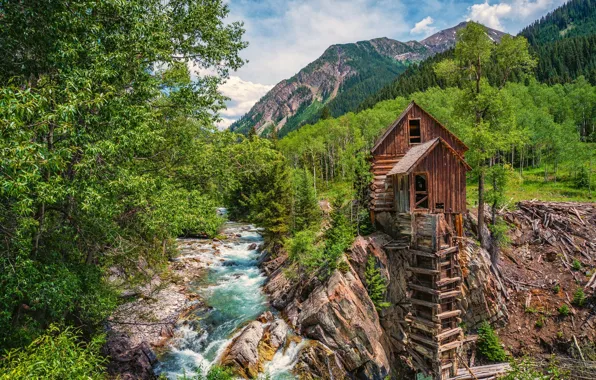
<point>298,32</point>
<point>510,12</point>
<point>423,27</point>
<point>243,95</point>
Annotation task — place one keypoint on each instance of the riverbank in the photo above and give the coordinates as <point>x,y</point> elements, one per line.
<point>210,309</point>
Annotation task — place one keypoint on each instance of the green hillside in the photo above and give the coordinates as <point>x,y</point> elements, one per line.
<point>564,42</point>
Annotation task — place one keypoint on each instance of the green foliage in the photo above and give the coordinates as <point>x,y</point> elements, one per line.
<point>108,149</point>
<point>376,285</point>
<point>582,178</point>
<point>338,237</point>
<point>525,369</point>
<point>556,289</point>
<point>577,265</point>
<point>579,297</point>
<point>563,310</point>
<point>540,322</point>
<point>261,187</point>
<point>57,354</point>
<point>306,211</point>
<point>303,250</point>
<point>489,345</point>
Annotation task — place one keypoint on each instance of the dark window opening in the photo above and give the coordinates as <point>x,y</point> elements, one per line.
<point>440,206</point>
<point>421,188</point>
<point>415,134</point>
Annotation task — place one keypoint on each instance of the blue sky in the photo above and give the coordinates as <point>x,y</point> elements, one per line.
<point>285,36</point>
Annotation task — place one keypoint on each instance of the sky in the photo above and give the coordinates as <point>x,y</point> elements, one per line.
<point>286,35</point>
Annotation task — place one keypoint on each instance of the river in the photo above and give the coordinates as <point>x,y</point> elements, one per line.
<point>232,290</point>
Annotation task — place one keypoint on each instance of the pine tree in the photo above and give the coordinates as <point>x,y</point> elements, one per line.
<point>376,285</point>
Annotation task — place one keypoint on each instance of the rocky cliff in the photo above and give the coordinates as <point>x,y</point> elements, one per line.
<point>340,79</point>
<point>341,320</point>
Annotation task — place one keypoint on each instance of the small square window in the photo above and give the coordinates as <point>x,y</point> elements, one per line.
<point>415,133</point>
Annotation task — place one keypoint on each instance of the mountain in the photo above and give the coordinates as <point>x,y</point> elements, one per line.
<point>340,80</point>
<point>564,41</point>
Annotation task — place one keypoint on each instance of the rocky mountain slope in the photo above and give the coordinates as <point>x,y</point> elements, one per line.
<point>340,80</point>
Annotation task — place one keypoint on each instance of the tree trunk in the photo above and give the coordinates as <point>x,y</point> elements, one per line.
<point>481,237</point>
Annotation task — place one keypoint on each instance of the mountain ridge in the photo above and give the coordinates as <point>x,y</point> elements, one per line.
<point>341,79</point>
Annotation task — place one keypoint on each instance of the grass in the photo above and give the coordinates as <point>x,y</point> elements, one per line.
<point>533,186</point>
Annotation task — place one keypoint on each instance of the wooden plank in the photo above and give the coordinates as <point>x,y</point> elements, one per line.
<point>447,281</point>
<point>432,305</point>
<point>447,251</point>
<point>450,346</point>
<point>423,270</point>
<point>447,314</point>
<point>424,289</point>
<point>448,333</point>
<point>424,254</point>
<point>450,294</point>
<point>424,340</point>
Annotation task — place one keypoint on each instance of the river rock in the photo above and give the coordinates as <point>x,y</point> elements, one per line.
<point>126,362</point>
<point>252,247</point>
<point>242,355</point>
<point>277,333</point>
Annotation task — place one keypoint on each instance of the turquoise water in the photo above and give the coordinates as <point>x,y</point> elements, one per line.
<point>232,291</point>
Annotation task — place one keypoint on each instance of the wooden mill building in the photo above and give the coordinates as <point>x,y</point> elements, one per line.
<point>418,197</point>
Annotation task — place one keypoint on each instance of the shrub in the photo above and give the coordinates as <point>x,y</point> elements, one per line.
<point>55,355</point>
<point>540,322</point>
<point>376,285</point>
<point>525,369</point>
<point>489,345</point>
<point>556,288</point>
<point>302,249</point>
<point>577,265</point>
<point>564,310</point>
<point>579,297</point>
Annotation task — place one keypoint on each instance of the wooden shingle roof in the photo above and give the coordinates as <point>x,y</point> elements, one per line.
<point>413,156</point>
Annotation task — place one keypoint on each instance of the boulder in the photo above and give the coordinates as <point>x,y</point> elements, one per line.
<point>242,355</point>
<point>316,361</point>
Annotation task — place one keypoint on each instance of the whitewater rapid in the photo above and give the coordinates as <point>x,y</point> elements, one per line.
<point>232,290</point>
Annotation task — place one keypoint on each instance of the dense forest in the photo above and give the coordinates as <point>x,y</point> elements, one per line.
<point>562,42</point>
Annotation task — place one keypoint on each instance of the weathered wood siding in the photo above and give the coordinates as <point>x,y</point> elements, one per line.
<point>446,180</point>
<point>397,142</point>
<point>382,187</point>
